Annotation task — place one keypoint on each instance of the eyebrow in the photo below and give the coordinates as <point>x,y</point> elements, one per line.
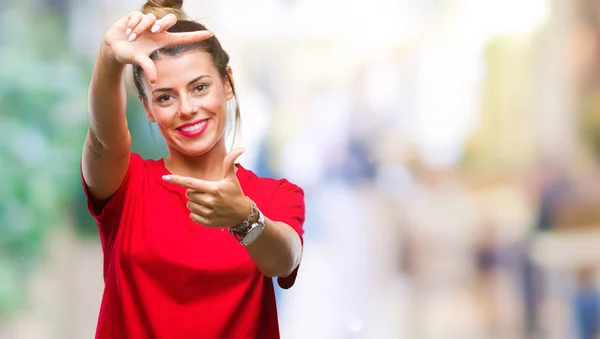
<point>167,89</point>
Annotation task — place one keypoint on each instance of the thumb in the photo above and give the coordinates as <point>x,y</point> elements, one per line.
<point>148,66</point>
<point>229,162</point>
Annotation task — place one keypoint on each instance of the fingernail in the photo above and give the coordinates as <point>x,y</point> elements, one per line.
<point>128,31</point>
<point>132,37</point>
<point>155,28</point>
<point>166,177</point>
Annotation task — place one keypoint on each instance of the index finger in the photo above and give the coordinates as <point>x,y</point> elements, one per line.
<point>187,182</point>
<point>186,38</point>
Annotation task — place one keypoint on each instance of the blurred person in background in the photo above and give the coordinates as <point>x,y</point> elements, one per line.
<point>486,268</point>
<point>554,191</point>
<point>170,268</point>
<point>586,305</point>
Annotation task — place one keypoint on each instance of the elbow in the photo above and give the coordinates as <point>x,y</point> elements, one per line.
<point>282,269</point>
<point>289,270</point>
<point>277,273</point>
<point>269,274</point>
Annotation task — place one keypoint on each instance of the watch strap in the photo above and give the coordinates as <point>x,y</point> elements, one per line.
<point>248,220</point>
<point>254,220</point>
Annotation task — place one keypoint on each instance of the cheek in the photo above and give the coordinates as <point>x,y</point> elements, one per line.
<point>164,116</point>
<point>216,104</point>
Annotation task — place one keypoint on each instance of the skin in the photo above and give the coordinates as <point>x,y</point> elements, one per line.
<point>180,90</point>
<point>190,89</point>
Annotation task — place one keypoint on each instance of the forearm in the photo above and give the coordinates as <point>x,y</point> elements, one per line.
<point>277,251</point>
<point>107,101</point>
<point>105,156</point>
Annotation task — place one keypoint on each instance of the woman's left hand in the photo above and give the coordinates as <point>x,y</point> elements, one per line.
<point>216,203</point>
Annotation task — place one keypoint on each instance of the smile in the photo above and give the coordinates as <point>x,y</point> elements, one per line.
<point>195,127</point>
<point>193,130</point>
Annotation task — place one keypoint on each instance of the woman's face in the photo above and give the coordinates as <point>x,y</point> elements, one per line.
<point>188,102</point>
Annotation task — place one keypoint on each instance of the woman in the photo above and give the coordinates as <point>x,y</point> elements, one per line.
<point>170,269</point>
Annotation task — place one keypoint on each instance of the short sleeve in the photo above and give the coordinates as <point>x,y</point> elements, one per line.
<point>287,206</point>
<point>109,216</point>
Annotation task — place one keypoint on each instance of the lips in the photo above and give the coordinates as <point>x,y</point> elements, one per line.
<point>192,126</point>
<point>193,129</point>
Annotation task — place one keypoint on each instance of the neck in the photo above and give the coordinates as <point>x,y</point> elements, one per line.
<point>208,166</point>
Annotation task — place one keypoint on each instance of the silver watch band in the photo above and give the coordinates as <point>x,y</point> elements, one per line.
<point>247,222</point>
<point>246,235</point>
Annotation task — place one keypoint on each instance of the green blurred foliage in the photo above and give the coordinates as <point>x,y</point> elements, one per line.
<point>41,98</point>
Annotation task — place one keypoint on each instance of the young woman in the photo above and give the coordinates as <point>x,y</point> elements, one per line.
<point>190,241</point>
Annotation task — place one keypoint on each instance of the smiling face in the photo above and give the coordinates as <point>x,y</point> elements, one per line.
<point>188,102</point>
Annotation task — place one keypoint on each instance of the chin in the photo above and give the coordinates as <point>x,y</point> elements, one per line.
<point>194,151</point>
<point>196,148</point>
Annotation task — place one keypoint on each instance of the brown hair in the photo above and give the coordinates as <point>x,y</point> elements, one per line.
<point>212,46</point>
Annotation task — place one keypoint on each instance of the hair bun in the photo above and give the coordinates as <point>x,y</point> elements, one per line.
<point>161,8</point>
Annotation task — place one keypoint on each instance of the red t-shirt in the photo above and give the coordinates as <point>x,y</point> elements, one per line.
<point>167,277</point>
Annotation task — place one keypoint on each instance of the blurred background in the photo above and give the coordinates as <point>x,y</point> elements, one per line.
<point>449,151</point>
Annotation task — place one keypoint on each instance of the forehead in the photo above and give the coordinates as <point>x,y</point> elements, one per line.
<point>182,68</point>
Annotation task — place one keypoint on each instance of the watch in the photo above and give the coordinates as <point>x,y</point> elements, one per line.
<point>250,228</point>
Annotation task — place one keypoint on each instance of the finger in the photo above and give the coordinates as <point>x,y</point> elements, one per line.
<point>199,209</point>
<point>185,38</point>
<point>197,185</point>
<point>134,19</point>
<point>199,219</point>
<point>147,66</point>
<point>206,199</point>
<point>229,162</point>
<point>164,23</point>
<point>148,21</point>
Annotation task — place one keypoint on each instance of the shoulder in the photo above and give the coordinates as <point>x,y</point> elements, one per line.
<point>139,164</point>
<point>145,161</point>
<point>143,172</point>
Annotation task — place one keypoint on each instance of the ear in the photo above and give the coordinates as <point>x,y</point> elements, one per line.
<point>147,110</point>
<point>229,84</point>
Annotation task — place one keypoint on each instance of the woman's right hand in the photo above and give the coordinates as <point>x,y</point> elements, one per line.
<point>135,36</point>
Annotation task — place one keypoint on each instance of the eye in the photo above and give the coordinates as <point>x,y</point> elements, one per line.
<point>164,98</point>
<point>200,88</point>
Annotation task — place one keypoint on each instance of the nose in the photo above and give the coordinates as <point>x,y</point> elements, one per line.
<point>188,107</point>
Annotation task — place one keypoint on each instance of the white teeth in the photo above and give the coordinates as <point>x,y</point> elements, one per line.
<point>194,127</point>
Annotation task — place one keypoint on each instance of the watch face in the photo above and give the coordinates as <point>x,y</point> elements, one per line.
<point>253,234</point>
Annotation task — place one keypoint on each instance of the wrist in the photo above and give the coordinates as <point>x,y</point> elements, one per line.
<point>251,227</point>
<point>244,214</point>
<point>108,57</point>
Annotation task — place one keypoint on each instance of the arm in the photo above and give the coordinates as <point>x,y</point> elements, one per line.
<point>278,250</point>
<point>107,145</point>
